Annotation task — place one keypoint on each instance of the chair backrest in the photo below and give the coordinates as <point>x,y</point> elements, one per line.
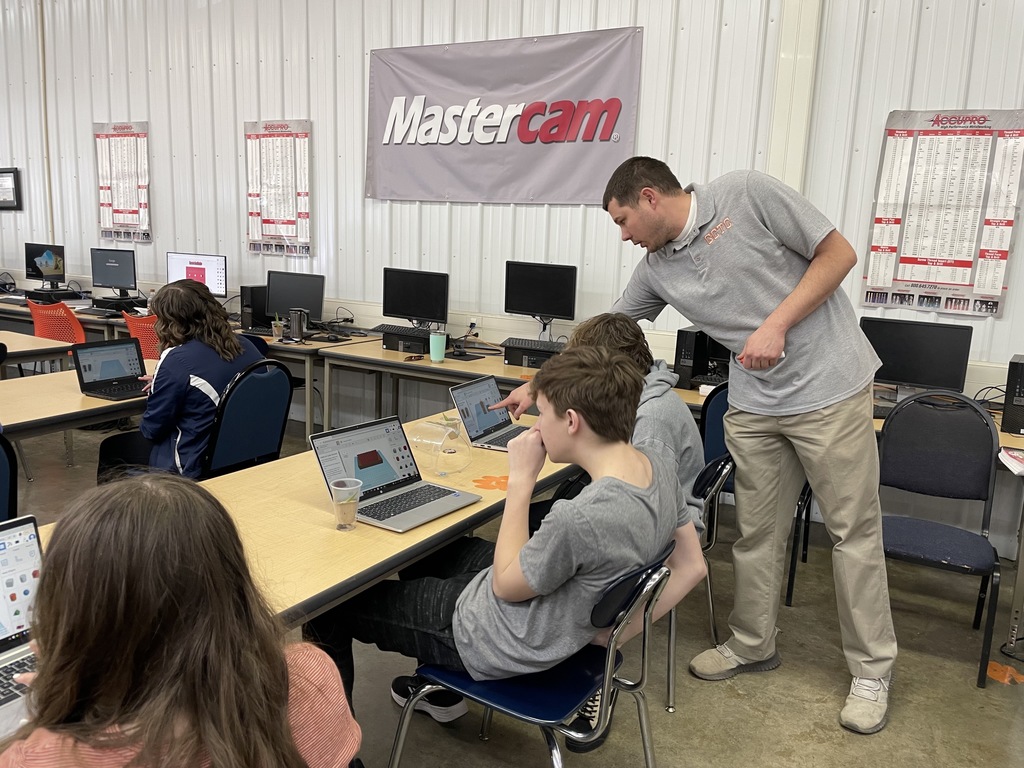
<point>259,342</point>
<point>144,329</point>
<point>57,322</point>
<point>940,444</point>
<point>709,483</point>
<point>712,426</point>
<point>8,479</point>
<point>248,428</point>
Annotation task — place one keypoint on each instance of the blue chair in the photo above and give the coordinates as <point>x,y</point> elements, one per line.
<point>248,428</point>
<point>923,438</point>
<point>8,480</point>
<point>551,699</point>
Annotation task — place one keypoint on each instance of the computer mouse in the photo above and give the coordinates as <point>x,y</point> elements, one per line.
<point>333,337</point>
<point>458,352</point>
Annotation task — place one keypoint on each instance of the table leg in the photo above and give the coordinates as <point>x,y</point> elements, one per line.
<point>1017,603</point>
<point>309,395</point>
<point>327,394</point>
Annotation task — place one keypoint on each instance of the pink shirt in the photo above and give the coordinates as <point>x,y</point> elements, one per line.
<point>322,724</point>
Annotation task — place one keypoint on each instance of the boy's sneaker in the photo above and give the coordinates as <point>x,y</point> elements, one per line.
<point>443,706</point>
<point>867,706</point>
<point>586,720</point>
<point>719,663</point>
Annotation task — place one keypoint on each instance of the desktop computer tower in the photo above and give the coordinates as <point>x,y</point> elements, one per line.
<point>254,306</point>
<point>1013,402</point>
<point>697,355</point>
<point>51,295</point>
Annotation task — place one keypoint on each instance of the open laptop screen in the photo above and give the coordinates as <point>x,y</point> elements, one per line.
<point>376,452</point>
<point>20,561</point>
<point>473,399</point>
<point>109,360</point>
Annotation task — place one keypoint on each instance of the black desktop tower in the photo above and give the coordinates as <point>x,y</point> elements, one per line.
<point>697,354</point>
<point>527,358</point>
<point>412,345</point>
<point>1013,403</point>
<point>254,306</point>
<point>51,295</point>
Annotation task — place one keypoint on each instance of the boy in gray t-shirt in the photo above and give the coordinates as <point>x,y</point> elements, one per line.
<point>523,605</point>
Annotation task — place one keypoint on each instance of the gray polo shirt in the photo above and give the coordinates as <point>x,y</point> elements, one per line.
<point>752,243</point>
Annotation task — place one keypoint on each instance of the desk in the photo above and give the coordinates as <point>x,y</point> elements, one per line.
<point>304,565</point>
<point>22,316</point>
<point>371,357</point>
<point>38,405</point>
<point>22,348</point>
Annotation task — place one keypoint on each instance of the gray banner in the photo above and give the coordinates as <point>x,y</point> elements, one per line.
<point>529,120</point>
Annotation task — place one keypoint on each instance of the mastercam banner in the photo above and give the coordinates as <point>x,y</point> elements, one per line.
<point>530,120</point>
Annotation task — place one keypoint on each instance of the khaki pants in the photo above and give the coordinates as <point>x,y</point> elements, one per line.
<point>835,448</point>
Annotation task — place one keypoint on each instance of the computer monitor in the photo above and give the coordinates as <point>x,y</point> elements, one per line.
<point>208,269</point>
<point>420,297</point>
<point>919,355</point>
<point>45,262</point>
<point>544,291</point>
<point>115,269</point>
<point>295,290</point>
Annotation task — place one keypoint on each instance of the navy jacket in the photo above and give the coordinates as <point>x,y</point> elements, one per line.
<point>186,389</point>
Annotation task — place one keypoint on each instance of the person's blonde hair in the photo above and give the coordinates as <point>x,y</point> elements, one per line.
<point>601,385</point>
<point>186,310</point>
<point>152,634</point>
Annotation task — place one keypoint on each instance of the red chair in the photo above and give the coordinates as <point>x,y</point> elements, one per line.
<point>57,322</point>
<point>143,329</point>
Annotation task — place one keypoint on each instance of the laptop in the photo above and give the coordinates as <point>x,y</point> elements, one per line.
<point>485,429</point>
<point>394,496</point>
<point>110,369</point>
<point>20,561</point>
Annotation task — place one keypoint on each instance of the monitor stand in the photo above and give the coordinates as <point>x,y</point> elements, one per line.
<point>51,295</point>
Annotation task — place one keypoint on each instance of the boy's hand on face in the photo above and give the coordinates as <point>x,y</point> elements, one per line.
<point>526,455</point>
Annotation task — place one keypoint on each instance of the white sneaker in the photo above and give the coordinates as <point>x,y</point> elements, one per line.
<point>867,706</point>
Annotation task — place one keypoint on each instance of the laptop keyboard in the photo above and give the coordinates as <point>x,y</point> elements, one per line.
<point>10,690</point>
<point>132,386</point>
<point>503,439</point>
<point>538,345</point>
<point>396,505</point>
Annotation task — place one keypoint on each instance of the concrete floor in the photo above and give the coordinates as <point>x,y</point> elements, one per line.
<point>787,717</point>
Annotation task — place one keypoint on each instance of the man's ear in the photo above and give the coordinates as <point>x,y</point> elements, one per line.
<point>650,195</point>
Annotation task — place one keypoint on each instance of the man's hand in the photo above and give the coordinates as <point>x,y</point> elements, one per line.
<point>763,349</point>
<point>517,402</point>
<point>526,456</point>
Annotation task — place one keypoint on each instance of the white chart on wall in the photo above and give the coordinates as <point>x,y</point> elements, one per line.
<point>277,196</point>
<point>122,170</point>
<point>947,202</point>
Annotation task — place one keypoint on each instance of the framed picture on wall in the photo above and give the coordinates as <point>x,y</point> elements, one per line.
<point>10,190</point>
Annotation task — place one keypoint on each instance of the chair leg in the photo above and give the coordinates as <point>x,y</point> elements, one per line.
<point>986,642</point>
<point>485,724</point>
<point>645,727</point>
<point>711,603</point>
<point>69,448</point>
<point>670,682</point>
<point>981,601</point>
<point>805,498</point>
<point>797,522</point>
<point>403,721</point>
<point>553,750</point>
<point>24,462</point>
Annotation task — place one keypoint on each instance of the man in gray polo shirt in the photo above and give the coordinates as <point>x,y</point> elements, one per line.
<point>757,267</point>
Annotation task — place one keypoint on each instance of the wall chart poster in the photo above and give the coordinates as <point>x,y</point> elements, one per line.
<point>947,211</point>
<point>277,166</point>
<point>122,170</point>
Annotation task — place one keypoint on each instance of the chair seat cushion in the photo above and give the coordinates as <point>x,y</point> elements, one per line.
<point>942,546</point>
<point>546,698</point>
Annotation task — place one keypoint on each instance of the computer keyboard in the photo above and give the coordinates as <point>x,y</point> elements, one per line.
<point>402,330</point>
<point>537,345</point>
<point>14,299</point>
<point>10,690</point>
<point>117,389</point>
<point>504,438</point>
<point>881,410</point>
<point>259,331</point>
<point>396,505</point>
<point>714,379</point>
<point>95,311</point>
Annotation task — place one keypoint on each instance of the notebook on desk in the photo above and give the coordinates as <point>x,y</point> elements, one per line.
<point>20,561</point>
<point>110,369</point>
<point>395,496</point>
<point>484,428</point>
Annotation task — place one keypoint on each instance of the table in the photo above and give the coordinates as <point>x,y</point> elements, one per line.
<point>305,566</point>
<point>371,357</point>
<point>23,316</point>
<point>22,348</point>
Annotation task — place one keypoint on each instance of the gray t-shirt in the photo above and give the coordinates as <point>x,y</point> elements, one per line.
<point>581,548</point>
<point>753,242</point>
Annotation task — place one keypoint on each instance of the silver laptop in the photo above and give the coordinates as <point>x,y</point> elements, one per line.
<point>20,562</point>
<point>110,369</point>
<point>485,429</point>
<point>395,496</point>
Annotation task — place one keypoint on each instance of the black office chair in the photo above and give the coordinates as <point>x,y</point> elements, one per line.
<point>943,444</point>
<point>298,382</point>
<point>248,428</point>
<point>8,480</point>
<point>551,699</point>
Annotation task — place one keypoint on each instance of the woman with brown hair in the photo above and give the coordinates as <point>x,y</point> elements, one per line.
<point>199,355</point>
<point>156,649</point>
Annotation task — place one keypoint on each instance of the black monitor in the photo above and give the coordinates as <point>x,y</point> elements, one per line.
<point>544,291</point>
<point>45,262</point>
<point>421,297</point>
<point>919,355</point>
<point>208,269</point>
<point>295,290</point>
<point>115,269</point>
